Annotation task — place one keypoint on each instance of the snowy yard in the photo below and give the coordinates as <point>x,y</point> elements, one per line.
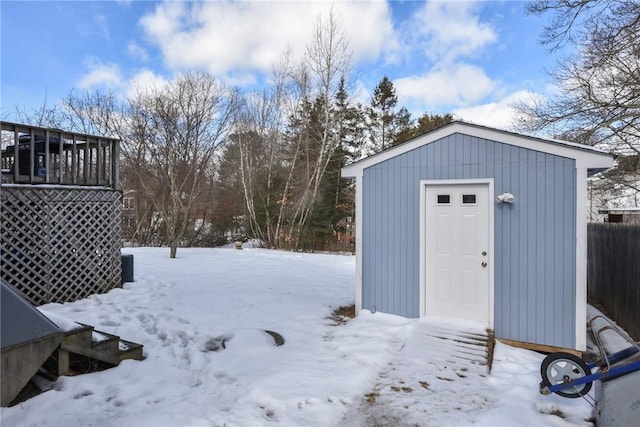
<point>376,369</point>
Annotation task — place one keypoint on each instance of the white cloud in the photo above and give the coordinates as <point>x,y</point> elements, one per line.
<point>98,26</point>
<point>100,74</point>
<point>144,82</point>
<point>440,42</point>
<point>499,114</point>
<point>239,38</point>
<point>369,29</point>
<point>100,22</point>
<point>459,84</point>
<point>448,30</point>
<point>136,51</point>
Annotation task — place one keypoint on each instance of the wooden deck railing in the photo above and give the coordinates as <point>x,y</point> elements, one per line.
<point>36,155</point>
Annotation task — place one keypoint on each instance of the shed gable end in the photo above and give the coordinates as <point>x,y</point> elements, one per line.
<point>535,254</point>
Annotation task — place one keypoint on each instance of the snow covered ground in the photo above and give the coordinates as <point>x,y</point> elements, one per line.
<point>374,370</point>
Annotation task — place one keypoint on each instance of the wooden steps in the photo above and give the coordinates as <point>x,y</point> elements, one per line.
<point>475,347</point>
<point>98,345</point>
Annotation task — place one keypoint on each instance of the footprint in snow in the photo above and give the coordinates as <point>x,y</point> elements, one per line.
<point>342,400</point>
<point>184,338</point>
<point>83,394</point>
<point>311,401</point>
<point>216,343</point>
<point>270,407</point>
<point>148,323</point>
<point>224,377</point>
<point>110,323</point>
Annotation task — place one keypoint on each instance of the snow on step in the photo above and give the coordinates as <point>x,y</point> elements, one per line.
<point>447,341</point>
<point>97,336</point>
<point>441,370</point>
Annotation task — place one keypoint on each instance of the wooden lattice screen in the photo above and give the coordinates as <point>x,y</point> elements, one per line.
<point>60,243</point>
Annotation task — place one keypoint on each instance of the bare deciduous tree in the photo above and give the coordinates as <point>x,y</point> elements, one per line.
<point>44,115</point>
<point>599,97</point>
<point>175,131</point>
<point>598,102</point>
<point>95,113</point>
<point>259,148</point>
<point>328,59</point>
<point>281,184</point>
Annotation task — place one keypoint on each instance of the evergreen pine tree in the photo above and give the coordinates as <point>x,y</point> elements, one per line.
<point>382,115</point>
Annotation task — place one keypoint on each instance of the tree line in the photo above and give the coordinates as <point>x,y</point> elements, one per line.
<point>206,163</point>
<point>209,163</point>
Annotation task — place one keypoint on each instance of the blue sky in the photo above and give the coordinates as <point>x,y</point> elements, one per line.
<point>471,58</point>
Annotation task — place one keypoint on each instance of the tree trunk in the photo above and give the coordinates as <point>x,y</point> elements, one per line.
<point>173,249</point>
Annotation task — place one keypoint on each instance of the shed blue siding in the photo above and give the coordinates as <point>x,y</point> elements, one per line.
<point>535,238</point>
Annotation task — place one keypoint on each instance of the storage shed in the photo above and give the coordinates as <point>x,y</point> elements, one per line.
<point>480,224</point>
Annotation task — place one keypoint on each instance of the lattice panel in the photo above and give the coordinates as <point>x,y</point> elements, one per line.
<point>60,244</point>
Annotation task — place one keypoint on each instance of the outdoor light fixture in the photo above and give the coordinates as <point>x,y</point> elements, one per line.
<point>506,198</point>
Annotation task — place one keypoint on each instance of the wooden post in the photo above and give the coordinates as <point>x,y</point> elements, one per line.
<point>63,362</point>
<point>115,164</point>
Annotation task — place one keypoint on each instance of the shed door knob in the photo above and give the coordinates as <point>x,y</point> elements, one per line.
<point>484,264</point>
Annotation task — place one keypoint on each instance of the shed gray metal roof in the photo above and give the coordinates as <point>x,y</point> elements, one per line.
<point>20,321</point>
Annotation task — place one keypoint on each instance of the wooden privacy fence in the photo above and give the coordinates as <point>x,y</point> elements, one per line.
<point>613,275</point>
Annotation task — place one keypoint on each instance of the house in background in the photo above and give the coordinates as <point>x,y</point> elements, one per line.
<point>622,215</point>
<point>129,214</point>
<point>479,224</point>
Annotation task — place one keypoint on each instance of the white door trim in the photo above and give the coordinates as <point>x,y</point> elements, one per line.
<point>423,239</point>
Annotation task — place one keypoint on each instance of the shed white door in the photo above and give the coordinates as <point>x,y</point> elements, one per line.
<point>457,251</point>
